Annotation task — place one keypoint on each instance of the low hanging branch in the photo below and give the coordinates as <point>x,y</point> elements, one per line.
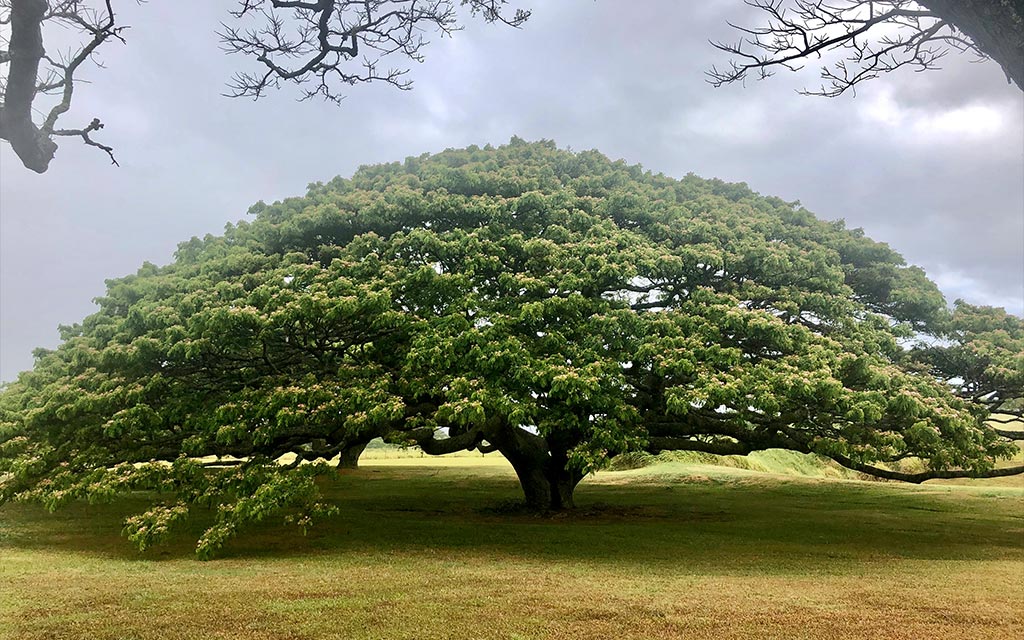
<point>731,446</point>
<point>933,474</point>
<point>871,38</point>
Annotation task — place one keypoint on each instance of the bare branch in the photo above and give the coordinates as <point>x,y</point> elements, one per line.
<point>327,44</point>
<point>95,125</point>
<point>34,143</point>
<point>322,45</point>
<point>871,37</point>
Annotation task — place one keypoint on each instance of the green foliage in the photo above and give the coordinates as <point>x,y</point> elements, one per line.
<point>514,295</point>
<point>981,352</point>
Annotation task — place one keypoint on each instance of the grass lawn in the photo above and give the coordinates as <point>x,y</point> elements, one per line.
<point>430,548</point>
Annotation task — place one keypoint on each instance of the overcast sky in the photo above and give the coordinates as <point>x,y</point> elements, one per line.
<point>931,163</point>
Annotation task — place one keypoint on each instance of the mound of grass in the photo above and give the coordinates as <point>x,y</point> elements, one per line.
<point>773,461</point>
<point>782,462</point>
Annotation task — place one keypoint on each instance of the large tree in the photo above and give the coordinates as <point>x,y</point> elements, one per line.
<point>557,307</point>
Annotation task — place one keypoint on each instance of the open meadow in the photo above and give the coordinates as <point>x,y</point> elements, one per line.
<point>436,548</point>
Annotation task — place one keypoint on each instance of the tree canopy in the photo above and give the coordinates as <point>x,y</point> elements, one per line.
<point>557,307</point>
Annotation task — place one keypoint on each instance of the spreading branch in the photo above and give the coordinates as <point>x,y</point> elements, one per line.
<point>322,45</point>
<point>870,38</point>
<point>935,474</point>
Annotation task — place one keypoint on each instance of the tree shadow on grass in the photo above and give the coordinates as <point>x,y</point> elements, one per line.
<point>707,525</point>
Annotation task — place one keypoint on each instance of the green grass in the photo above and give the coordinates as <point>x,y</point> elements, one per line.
<point>427,548</point>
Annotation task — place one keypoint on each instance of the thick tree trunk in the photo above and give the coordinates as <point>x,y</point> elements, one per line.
<point>547,483</point>
<point>563,488</point>
<point>349,457</point>
<point>536,487</point>
<point>546,488</point>
<point>995,26</point>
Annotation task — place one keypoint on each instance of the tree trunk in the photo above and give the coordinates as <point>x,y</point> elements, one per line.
<point>349,457</point>
<point>547,483</point>
<point>537,488</point>
<point>25,50</point>
<point>544,475</point>
<point>563,486</point>
<point>995,26</point>
<point>546,487</point>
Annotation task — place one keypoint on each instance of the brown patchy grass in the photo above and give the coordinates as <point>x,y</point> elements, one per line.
<point>429,553</point>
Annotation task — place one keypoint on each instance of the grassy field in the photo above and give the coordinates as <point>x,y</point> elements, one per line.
<point>426,548</point>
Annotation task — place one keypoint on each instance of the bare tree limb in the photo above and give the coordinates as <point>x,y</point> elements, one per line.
<point>33,143</point>
<point>95,125</point>
<point>872,37</point>
<point>323,45</point>
<point>318,43</point>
